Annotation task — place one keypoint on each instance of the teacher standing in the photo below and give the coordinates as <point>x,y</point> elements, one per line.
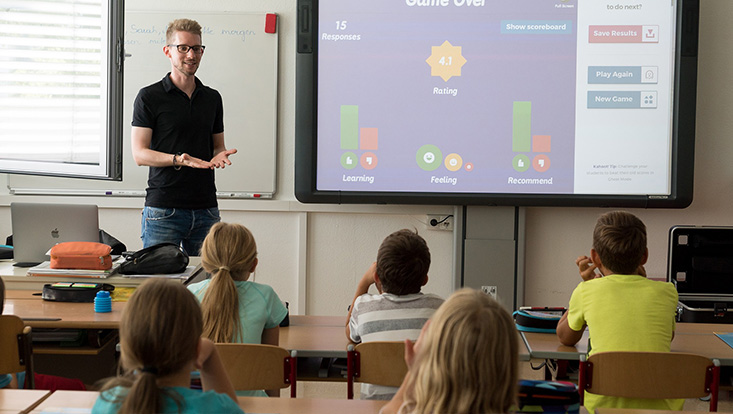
<point>178,131</point>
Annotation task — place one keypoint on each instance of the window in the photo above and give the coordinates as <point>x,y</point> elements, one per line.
<point>61,87</point>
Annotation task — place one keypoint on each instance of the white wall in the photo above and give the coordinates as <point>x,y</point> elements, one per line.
<point>313,255</point>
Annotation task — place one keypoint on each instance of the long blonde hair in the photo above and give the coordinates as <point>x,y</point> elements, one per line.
<point>229,253</point>
<point>160,332</point>
<point>467,359</point>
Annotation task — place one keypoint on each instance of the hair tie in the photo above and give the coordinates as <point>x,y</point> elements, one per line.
<point>223,268</point>
<point>150,370</point>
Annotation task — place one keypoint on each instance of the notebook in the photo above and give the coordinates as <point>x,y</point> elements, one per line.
<point>38,226</point>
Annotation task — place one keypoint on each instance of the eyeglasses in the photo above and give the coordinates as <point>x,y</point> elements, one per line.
<point>198,49</point>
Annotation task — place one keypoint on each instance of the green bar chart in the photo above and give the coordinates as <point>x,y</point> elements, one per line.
<point>522,126</point>
<point>350,127</point>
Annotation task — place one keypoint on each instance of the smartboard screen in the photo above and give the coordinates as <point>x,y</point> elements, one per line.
<point>525,102</point>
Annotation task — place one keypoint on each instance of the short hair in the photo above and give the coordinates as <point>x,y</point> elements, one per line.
<point>619,238</point>
<point>182,25</point>
<point>403,261</point>
<point>467,361</point>
<point>228,253</point>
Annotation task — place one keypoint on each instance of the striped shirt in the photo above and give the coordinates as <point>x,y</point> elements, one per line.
<point>389,317</point>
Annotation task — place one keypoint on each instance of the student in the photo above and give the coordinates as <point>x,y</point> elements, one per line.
<point>400,310</point>
<point>624,311</point>
<point>465,361</point>
<point>234,308</point>
<point>42,382</point>
<point>160,344</point>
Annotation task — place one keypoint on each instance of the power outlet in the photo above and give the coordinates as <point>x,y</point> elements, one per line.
<point>439,222</point>
<point>489,290</point>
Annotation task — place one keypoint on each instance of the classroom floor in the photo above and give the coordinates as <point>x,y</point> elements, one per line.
<point>337,390</point>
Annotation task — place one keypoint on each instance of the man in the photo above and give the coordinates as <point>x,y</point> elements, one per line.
<point>178,131</point>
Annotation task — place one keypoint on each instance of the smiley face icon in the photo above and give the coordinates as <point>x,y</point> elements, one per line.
<point>453,162</point>
<point>429,157</point>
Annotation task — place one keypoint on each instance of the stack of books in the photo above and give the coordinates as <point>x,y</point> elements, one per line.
<point>44,269</point>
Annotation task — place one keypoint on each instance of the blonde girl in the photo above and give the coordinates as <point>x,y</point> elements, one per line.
<point>160,344</point>
<point>234,308</point>
<point>464,362</point>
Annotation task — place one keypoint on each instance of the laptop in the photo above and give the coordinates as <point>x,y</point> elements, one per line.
<point>39,226</point>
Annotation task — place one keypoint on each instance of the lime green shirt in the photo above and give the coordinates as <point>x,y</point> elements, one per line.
<point>625,313</point>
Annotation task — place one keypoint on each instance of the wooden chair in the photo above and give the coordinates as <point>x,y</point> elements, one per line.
<point>16,348</point>
<point>259,367</point>
<point>379,363</point>
<point>650,375</point>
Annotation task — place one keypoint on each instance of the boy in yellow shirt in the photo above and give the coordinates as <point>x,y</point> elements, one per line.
<point>624,311</point>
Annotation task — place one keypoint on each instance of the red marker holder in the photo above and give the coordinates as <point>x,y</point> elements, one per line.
<point>270,23</point>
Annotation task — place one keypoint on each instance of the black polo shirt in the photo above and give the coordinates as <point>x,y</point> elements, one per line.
<point>180,124</point>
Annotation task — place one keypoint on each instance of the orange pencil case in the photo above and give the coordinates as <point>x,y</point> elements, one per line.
<point>81,255</point>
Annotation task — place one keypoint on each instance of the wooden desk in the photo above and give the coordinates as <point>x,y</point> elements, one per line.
<point>311,336</point>
<point>315,340</point>
<point>251,405</point>
<point>313,320</point>
<point>693,339</point>
<point>39,313</point>
<point>13,401</point>
<point>325,336</point>
<point>309,405</point>
<point>702,328</point>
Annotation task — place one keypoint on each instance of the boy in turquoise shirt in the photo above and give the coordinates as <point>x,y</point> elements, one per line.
<point>624,311</point>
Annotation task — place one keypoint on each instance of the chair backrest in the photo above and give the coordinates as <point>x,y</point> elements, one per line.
<point>258,367</point>
<point>16,348</point>
<point>379,363</point>
<point>654,375</point>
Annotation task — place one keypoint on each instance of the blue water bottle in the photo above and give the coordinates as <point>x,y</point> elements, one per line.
<point>103,302</point>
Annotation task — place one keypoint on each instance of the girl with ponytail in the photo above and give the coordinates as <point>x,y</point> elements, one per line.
<point>234,308</point>
<point>160,344</point>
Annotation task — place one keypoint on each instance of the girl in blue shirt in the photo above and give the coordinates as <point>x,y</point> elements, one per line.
<point>160,344</point>
<point>236,309</point>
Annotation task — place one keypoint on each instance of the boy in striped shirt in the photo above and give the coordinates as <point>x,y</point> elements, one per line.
<point>400,310</point>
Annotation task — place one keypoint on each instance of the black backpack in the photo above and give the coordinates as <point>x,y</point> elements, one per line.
<point>161,258</point>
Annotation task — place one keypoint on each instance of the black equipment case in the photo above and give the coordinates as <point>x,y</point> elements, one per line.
<point>700,264</point>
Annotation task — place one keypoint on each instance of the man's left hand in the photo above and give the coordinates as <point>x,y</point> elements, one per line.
<point>221,159</point>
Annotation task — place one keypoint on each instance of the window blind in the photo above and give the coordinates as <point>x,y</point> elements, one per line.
<point>57,63</point>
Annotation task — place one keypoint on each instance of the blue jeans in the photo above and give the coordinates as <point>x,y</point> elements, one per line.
<point>187,228</point>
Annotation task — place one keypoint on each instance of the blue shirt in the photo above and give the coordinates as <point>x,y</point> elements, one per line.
<point>259,308</point>
<point>193,402</point>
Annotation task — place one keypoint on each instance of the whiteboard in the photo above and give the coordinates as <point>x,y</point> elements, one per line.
<point>240,62</point>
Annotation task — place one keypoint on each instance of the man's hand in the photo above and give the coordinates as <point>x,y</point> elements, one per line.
<point>193,162</point>
<point>587,268</point>
<point>221,159</point>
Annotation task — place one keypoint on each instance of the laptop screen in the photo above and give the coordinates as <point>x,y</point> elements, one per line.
<point>39,226</point>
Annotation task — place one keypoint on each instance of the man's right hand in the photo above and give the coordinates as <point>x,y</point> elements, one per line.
<point>193,162</point>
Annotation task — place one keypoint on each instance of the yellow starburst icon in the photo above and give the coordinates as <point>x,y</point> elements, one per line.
<point>446,61</point>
